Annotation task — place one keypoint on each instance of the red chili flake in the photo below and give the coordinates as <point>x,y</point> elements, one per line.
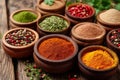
<point>73,79</point>
<point>80,11</point>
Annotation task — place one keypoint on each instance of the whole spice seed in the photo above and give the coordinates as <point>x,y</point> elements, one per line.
<point>20,37</point>
<point>80,11</point>
<point>25,16</point>
<point>111,16</point>
<point>53,24</point>
<point>34,72</point>
<point>115,37</point>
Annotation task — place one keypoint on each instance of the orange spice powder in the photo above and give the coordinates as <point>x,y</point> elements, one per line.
<point>98,59</point>
<point>56,48</point>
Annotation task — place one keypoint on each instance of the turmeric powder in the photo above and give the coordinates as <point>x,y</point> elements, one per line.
<point>98,59</point>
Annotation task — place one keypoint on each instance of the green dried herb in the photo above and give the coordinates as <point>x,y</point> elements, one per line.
<point>49,2</point>
<point>34,72</point>
<point>53,24</point>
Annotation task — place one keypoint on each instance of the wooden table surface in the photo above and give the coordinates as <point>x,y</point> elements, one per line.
<point>13,69</point>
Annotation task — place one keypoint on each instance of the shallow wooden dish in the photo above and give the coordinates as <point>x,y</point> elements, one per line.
<point>75,19</point>
<point>111,45</point>
<point>45,32</point>
<point>32,25</point>
<point>96,73</point>
<point>46,9</point>
<point>107,26</point>
<point>55,66</point>
<point>19,51</point>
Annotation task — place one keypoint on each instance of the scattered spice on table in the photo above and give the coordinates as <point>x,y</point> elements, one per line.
<point>111,16</point>
<point>34,72</point>
<point>25,16</point>
<point>20,37</point>
<point>56,48</point>
<point>88,30</point>
<point>53,24</point>
<point>98,59</point>
<point>80,10</point>
<point>115,37</point>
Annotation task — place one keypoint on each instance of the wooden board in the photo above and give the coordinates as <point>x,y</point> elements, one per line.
<point>6,64</point>
<point>15,5</point>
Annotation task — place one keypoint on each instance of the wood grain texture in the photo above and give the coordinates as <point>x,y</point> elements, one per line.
<point>6,65</point>
<point>15,5</point>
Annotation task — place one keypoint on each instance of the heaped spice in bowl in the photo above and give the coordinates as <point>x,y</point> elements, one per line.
<point>53,24</point>
<point>98,59</point>
<point>80,11</point>
<point>56,48</point>
<point>24,16</point>
<point>20,37</point>
<point>88,31</point>
<point>111,16</point>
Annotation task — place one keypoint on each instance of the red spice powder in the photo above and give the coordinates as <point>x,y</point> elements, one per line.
<point>56,48</point>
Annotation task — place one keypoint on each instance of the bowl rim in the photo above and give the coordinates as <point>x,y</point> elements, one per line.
<point>36,52</point>
<point>88,39</point>
<point>108,39</point>
<point>40,1</point>
<point>53,14</point>
<point>25,9</point>
<point>112,53</point>
<point>19,47</point>
<point>103,22</point>
<point>74,17</point>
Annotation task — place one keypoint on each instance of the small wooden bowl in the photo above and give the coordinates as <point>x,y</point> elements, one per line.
<point>19,51</point>
<point>107,26</point>
<point>74,20</point>
<point>111,45</point>
<point>32,25</point>
<point>45,32</point>
<point>46,9</point>
<point>87,41</point>
<point>54,66</point>
<point>97,74</point>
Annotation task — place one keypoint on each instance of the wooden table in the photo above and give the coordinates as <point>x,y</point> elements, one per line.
<point>13,69</point>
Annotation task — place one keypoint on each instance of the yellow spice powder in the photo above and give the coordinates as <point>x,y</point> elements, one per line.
<point>98,59</point>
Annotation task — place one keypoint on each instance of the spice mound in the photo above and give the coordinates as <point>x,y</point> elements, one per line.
<point>98,59</point>
<point>25,16</point>
<point>88,30</point>
<point>20,37</point>
<point>111,16</point>
<point>53,24</point>
<point>80,10</point>
<point>115,37</point>
<point>56,48</point>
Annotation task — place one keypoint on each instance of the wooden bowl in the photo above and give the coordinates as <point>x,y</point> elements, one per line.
<point>16,24</point>
<point>46,32</point>
<point>97,74</point>
<point>55,66</point>
<point>110,44</point>
<point>87,41</point>
<point>19,51</point>
<point>106,25</point>
<point>74,19</point>
<point>58,7</point>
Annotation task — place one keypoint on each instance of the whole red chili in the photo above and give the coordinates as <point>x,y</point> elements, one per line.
<point>80,10</point>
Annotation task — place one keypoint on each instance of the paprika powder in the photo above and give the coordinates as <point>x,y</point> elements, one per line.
<point>56,48</point>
